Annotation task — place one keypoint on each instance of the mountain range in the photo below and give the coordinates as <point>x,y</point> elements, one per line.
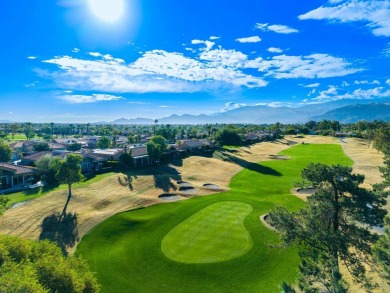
<point>344,111</point>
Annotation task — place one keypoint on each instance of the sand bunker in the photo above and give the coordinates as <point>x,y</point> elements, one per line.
<point>184,184</point>
<point>212,186</point>
<point>169,196</point>
<point>265,220</point>
<point>188,190</point>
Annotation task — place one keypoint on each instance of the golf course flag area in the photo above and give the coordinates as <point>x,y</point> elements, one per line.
<point>214,234</point>
<point>213,243</point>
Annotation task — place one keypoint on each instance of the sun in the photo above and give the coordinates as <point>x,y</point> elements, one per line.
<point>107,10</point>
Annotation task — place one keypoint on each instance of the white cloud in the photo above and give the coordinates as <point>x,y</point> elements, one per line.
<point>254,39</point>
<point>32,57</point>
<point>312,92</point>
<point>275,104</point>
<point>76,50</point>
<point>311,66</point>
<point>366,82</point>
<point>277,28</point>
<point>388,82</point>
<point>164,106</point>
<point>344,84</point>
<point>82,99</point>
<point>10,113</point>
<point>208,44</point>
<point>375,14</point>
<point>312,85</point>
<point>172,72</point>
<point>274,50</point>
<point>214,38</point>
<point>332,94</point>
<point>155,71</point>
<point>231,106</point>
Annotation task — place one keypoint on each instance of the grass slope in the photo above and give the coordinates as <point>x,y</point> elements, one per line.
<point>125,250</point>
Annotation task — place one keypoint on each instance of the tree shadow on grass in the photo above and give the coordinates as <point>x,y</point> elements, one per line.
<point>250,166</point>
<point>165,177</point>
<point>64,233</point>
<point>126,180</point>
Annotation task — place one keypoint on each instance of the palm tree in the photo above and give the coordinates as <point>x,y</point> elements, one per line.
<point>52,129</point>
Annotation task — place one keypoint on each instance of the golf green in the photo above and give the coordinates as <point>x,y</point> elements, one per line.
<point>214,234</point>
<point>140,250</point>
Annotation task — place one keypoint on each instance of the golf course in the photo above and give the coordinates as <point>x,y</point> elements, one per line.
<point>213,243</point>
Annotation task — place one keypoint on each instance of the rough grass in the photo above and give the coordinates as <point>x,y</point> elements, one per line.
<point>125,250</point>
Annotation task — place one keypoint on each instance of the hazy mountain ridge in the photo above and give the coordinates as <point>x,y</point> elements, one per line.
<point>354,113</point>
<point>345,111</point>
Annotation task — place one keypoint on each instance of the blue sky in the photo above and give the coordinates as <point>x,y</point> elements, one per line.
<point>95,60</point>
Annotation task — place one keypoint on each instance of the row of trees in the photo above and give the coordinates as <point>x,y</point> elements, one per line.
<point>335,228</point>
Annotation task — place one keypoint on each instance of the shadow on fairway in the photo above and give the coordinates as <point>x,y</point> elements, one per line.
<point>64,233</point>
<point>251,166</point>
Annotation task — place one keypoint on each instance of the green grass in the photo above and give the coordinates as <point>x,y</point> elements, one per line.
<point>18,136</point>
<point>125,250</point>
<point>216,233</point>
<point>29,194</point>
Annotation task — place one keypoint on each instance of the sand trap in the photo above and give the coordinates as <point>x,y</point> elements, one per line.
<point>264,219</point>
<point>169,196</point>
<point>184,184</point>
<point>212,186</point>
<point>188,189</point>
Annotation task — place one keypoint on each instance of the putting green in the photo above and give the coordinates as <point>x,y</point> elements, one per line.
<point>214,234</point>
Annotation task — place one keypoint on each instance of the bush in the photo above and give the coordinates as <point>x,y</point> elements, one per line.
<point>29,266</point>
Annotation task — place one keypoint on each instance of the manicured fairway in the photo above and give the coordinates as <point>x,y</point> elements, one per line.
<point>126,251</point>
<point>214,234</point>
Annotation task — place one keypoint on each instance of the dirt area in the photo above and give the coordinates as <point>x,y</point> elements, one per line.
<point>121,192</point>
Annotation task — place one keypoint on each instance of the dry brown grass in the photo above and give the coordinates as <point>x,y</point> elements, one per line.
<point>112,195</point>
<point>102,199</point>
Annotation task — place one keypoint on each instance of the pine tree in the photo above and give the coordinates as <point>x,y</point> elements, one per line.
<point>333,229</point>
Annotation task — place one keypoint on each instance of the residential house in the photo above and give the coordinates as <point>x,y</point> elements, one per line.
<point>140,157</point>
<point>30,160</point>
<point>110,154</point>
<point>92,162</point>
<point>195,145</point>
<point>24,146</point>
<point>12,176</point>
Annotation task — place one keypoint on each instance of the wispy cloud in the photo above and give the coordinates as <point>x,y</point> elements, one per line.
<point>333,94</point>
<point>275,104</point>
<point>214,38</point>
<point>374,14</point>
<point>274,50</point>
<point>277,28</point>
<point>168,72</point>
<point>76,50</point>
<point>32,57</point>
<point>366,82</point>
<point>165,106</point>
<point>254,39</point>
<point>310,66</point>
<point>208,44</point>
<point>231,106</point>
<point>388,82</point>
<point>312,85</point>
<point>82,99</point>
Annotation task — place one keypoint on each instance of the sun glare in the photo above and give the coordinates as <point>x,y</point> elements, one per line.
<point>107,10</point>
